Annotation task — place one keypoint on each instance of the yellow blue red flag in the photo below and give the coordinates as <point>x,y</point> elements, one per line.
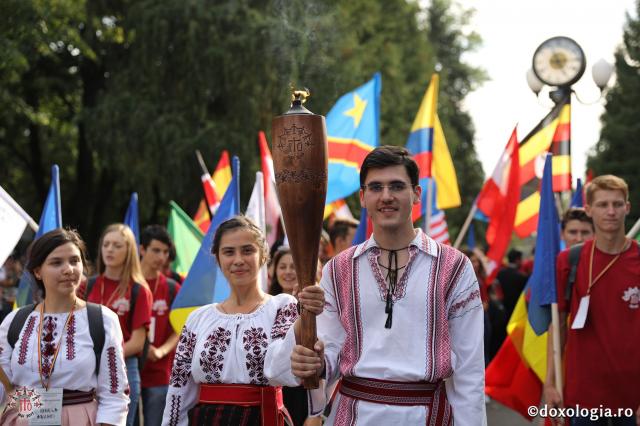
<point>352,132</point>
<point>205,282</point>
<point>429,148</point>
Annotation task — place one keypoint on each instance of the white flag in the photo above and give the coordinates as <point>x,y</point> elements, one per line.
<point>255,211</point>
<point>13,221</point>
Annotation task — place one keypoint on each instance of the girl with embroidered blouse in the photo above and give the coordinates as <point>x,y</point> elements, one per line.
<point>53,351</point>
<point>122,288</point>
<point>218,370</point>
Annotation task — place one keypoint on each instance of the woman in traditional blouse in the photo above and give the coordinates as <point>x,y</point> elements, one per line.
<point>122,288</point>
<point>54,348</point>
<point>217,376</point>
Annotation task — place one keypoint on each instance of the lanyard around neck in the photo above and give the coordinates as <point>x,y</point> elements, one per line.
<point>592,281</point>
<point>57,351</point>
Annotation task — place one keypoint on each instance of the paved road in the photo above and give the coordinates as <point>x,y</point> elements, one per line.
<point>499,415</point>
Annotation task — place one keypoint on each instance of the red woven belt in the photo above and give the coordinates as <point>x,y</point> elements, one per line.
<point>268,398</point>
<point>73,397</point>
<point>389,392</point>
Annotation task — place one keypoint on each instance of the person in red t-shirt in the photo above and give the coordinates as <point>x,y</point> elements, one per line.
<point>120,273</point>
<point>155,244</point>
<point>602,350</point>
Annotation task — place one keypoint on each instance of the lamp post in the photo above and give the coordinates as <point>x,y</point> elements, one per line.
<point>559,62</point>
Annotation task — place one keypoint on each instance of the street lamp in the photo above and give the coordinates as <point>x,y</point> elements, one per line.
<point>559,62</point>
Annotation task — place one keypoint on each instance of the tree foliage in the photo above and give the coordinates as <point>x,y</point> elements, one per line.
<point>617,152</point>
<point>120,94</point>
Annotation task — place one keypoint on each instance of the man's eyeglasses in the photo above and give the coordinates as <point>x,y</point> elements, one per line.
<point>377,188</point>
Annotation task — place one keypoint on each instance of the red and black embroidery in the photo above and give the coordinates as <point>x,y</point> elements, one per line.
<point>182,361</point>
<point>24,344</point>
<point>285,317</point>
<point>212,358</point>
<point>174,410</point>
<point>71,332</point>
<point>48,344</point>
<point>473,296</point>
<point>255,343</point>
<point>113,369</point>
<point>401,287</point>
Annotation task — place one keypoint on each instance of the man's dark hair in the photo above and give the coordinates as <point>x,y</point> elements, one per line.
<point>155,232</point>
<point>514,255</point>
<point>386,156</point>
<point>340,228</point>
<point>575,213</point>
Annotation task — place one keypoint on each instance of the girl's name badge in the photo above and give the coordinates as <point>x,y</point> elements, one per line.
<point>581,315</point>
<point>49,411</point>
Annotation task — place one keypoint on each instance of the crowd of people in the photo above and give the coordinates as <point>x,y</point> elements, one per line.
<point>405,325</point>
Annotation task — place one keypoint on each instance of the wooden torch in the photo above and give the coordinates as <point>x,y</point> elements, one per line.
<point>299,139</point>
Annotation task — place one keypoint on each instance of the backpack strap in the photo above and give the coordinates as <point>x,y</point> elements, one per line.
<point>172,290</point>
<point>90,283</point>
<point>574,259</point>
<point>96,330</point>
<point>17,323</point>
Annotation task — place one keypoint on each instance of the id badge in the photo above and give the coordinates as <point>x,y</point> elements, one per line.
<point>152,330</point>
<point>581,315</point>
<point>49,411</point>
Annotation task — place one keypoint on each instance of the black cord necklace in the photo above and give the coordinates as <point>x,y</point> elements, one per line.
<point>392,280</point>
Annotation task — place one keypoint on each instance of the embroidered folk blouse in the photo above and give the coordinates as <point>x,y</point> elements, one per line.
<point>436,334</point>
<point>75,365</point>
<point>224,348</point>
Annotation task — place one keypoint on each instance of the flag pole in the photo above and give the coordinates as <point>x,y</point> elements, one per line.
<point>634,229</point>
<point>557,366</point>
<point>465,226</point>
<point>203,166</point>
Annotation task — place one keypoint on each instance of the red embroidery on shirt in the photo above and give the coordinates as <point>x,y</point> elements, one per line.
<point>211,358</point>
<point>22,356</point>
<point>174,411</point>
<point>113,370</point>
<point>71,346</point>
<point>48,345</point>
<point>285,317</point>
<point>255,343</point>
<point>401,287</point>
<point>182,361</point>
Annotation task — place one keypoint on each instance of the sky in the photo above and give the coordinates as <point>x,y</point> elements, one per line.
<point>511,32</point>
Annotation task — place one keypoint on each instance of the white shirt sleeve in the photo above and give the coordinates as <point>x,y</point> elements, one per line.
<point>183,390</point>
<point>6,351</point>
<point>465,388</point>
<point>111,394</point>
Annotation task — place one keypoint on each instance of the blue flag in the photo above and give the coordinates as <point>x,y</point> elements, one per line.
<point>352,132</point>
<point>542,282</point>
<point>205,282</point>
<point>471,237</point>
<point>50,219</point>
<point>578,196</point>
<point>361,231</point>
<point>131,217</point>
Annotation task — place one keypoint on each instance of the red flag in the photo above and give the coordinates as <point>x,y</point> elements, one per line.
<point>509,381</point>
<point>271,203</point>
<point>498,200</point>
<point>214,189</point>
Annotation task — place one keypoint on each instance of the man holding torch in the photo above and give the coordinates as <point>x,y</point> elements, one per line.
<point>403,321</point>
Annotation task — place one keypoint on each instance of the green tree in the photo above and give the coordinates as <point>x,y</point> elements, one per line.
<point>617,152</point>
<point>450,35</point>
<point>121,94</point>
